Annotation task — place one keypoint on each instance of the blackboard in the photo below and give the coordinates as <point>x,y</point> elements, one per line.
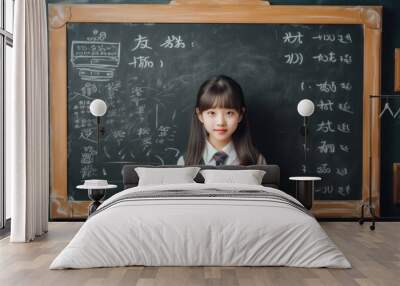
<point>149,74</point>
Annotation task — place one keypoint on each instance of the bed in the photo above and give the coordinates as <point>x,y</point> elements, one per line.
<point>201,224</point>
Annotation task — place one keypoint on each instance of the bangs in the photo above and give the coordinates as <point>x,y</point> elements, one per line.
<point>220,96</point>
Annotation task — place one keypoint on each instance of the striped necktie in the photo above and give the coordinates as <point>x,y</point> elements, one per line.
<point>220,158</point>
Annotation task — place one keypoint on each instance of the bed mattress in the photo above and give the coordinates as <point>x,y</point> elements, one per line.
<point>201,225</point>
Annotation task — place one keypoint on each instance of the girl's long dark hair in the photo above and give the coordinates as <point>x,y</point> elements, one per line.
<point>223,92</point>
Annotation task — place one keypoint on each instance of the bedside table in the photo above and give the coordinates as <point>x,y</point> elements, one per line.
<point>305,189</point>
<point>96,192</point>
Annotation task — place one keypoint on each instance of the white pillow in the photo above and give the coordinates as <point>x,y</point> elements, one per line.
<point>249,177</point>
<point>163,176</point>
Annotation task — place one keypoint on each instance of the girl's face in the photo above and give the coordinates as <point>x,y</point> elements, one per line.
<point>220,123</point>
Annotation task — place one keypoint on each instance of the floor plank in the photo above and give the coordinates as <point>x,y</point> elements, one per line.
<point>375,257</point>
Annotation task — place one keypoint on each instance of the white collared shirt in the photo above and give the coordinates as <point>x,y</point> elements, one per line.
<point>209,152</point>
<point>229,149</point>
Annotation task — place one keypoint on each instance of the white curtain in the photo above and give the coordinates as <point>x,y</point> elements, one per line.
<point>27,142</point>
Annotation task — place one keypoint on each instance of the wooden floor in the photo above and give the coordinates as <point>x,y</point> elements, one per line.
<point>375,257</point>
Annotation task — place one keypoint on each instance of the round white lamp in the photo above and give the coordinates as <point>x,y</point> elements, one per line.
<point>305,107</point>
<point>98,107</point>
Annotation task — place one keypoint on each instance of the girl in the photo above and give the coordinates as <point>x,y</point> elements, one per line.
<point>219,133</point>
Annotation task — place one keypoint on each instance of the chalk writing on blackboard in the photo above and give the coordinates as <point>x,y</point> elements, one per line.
<point>345,107</point>
<point>325,127</point>
<point>326,86</point>
<point>87,159</point>
<point>331,58</point>
<point>326,37</point>
<point>325,105</point>
<point>325,148</point>
<point>342,190</point>
<point>325,58</point>
<point>97,36</point>
<point>294,58</point>
<point>342,171</point>
<point>173,41</point>
<point>323,169</point>
<point>295,38</point>
<point>330,97</point>
<point>142,62</point>
<point>142,42</point>
<point>347,59</point>
<point>344,148</point>
<point>344,127</point>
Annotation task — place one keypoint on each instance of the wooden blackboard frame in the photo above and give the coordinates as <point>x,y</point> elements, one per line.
<point>397,69</point>
<point>211,11</point>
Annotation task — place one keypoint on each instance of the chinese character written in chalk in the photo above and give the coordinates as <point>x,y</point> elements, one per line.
<point>345,107</point>
<point>325,105</point>
<point>326,58</point>
<point>142,42</point>
<point>327,86</point>
<point>325,127</point>
<point>344,127</point>
<point>344,39</point>
<point>323,169</point>
<point>142,62</point>
<point>292,39</point>
<point>173,42</point>
<point>325,148</point>
<point>344,148</point>
<point>294,58</point>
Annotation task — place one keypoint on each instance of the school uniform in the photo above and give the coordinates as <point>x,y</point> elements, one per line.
<point>213,157</point>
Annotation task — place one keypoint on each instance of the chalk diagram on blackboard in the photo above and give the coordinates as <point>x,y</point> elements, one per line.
<point>96,59</point>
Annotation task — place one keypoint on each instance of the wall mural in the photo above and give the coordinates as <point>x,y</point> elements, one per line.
<point>149,75</point>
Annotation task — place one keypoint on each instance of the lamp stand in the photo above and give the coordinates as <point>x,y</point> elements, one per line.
<point>100,131</point>
<point>98,134</point>
<point>305,123</point>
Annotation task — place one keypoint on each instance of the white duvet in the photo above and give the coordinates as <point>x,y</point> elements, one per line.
<point>200,231</point>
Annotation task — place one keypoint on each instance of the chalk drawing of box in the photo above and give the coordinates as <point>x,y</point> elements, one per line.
<point>96,61</point>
